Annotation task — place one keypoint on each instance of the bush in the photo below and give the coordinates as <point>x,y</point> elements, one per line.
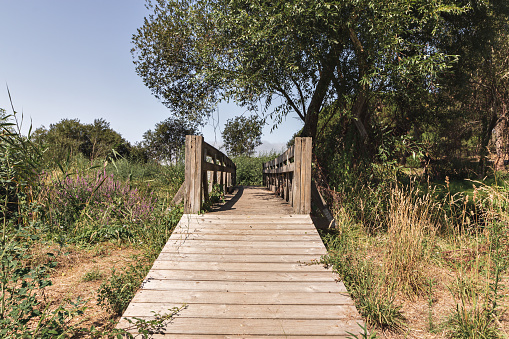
<point>117,292</point>
<point>249,169</point>
<point>98,198</point>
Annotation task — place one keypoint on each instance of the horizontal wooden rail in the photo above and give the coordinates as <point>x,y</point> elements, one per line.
<point>289,175</point>
<point>205,166</point>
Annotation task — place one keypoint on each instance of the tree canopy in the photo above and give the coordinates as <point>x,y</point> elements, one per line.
<point>166,141</point>
<point>432,74</point>
<point>241,135</point>
<point>70,137</point>
<point>293,56</point>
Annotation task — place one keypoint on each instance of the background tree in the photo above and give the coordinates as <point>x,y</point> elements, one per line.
<point>241,135</point>
<point>69,137</point>
<point>475,93</point>
<point>166,141</point>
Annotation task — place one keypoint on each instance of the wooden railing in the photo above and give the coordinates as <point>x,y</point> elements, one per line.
<point>205,166</point>
<point>289,175</point>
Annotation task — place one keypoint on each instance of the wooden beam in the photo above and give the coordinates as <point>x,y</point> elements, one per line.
<point>193,174</point>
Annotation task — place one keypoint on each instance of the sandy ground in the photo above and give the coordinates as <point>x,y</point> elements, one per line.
<point>68,279</point>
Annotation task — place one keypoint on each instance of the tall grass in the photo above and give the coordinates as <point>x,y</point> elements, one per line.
<point>80,203</point>
<point>428,244</point>
<point>411,229</point>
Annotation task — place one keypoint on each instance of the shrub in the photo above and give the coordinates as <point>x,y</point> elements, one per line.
<point>98,206</point>
<point>249,169</point>
<point>411,229</point>
<point>116,293</point>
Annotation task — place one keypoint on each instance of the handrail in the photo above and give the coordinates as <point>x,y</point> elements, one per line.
<point>289,175</point>
<point>202,158</point>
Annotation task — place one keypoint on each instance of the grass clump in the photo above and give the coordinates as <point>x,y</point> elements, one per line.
<point>411,230</point>
<point>92,275</point>
<point>363,278</point>
<point>116,293</point>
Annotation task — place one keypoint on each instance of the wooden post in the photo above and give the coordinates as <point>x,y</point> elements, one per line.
<point>205,178</point>
<point>302,176</point>
<point>193,174</point>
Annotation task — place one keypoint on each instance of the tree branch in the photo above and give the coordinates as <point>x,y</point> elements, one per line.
<point>303,101</point>
<point>290,102</point>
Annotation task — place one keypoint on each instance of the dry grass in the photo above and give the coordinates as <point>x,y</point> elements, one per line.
<point>73,264</point>
<point>438,271</point>
<point>410,236</point>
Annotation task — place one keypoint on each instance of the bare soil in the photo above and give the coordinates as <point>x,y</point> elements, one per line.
<point>69,282</point>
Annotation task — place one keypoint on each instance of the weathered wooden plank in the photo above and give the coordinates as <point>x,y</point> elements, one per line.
<point>238,244</point>
<point>237,267</point>
<point>297,178</point>
<point>240,298</point>
<point>207,166</point>
<point>246,237</point>
<point>282,169</point>
<point>193,174</point>
<point>240,276</point>
<point>218,218</point>
<point>245,250</point>
<point>300,327</point>
<point>245,231</point>
<point>244,286</point>
<point>330,312</point>
<point>259,258</point>
<point>306,155</point>
<point>243,336</point>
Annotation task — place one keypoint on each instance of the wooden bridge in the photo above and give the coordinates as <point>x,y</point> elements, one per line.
<point>250,268</point>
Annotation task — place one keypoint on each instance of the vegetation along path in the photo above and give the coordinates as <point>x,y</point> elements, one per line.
<point>247,269</point>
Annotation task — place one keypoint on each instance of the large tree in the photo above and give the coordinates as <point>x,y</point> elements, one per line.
<point>474,97</point>
<point>294,56</point>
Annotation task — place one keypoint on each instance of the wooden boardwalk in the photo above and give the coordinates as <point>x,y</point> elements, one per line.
<point>246,270</point>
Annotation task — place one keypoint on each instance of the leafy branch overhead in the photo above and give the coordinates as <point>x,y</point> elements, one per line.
<point>293,56</point>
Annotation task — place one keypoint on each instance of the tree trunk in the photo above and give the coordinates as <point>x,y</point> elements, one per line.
<point>488,127</point>
<point>311,121</point>
<point>500,135</point>
<point>360,113</point>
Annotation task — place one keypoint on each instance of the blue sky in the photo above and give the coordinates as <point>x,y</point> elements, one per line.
<point>71,59</point>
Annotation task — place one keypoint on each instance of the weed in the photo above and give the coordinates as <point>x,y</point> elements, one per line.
<point>431,325</point>
<point>116,293</point>
<point>364,334</point>
<point>472,322</point>
<point>92,275</point>
<point>365,282</point>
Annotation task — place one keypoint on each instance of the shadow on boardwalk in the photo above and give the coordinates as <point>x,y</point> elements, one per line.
<point>247,270</point>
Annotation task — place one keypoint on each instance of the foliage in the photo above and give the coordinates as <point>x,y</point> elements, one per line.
<point>70,137</point>
<point>92,275</point>
<point>116,293</point>
<point>95,199</point>
<point>241,135</point>
<point>293,56</point>
<point>22,313</point>
<point>364,281</point>
<point>167,141</point>
<point>249,169</point>
<point>75,203</point>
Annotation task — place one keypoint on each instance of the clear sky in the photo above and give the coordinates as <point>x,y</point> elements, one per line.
<point>71,59</point>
